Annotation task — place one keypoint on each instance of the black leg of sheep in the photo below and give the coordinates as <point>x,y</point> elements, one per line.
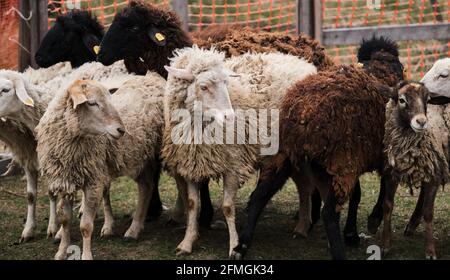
<point>331,221</point>
<point>376,217</point>
<point>351,236</point>
<point>155,208</point>
<point>206,210</point>
<point>269,183</point>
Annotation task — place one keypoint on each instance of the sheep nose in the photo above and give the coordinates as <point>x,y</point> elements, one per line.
<point>422,121</point>
<point>121,131</point>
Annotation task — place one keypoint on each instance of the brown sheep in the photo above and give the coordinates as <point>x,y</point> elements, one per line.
<point>331,132</point>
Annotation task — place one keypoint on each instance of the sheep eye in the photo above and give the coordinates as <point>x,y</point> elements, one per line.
<point>402,101</point>
<point>204,88</point>
<point>6,90</point>
<point>444,75</point>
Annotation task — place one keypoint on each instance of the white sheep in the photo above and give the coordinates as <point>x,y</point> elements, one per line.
<point>24,102</point>
<point>79,148</point>
<point>201,78</point>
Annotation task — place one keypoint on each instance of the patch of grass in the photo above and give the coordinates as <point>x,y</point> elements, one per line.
<point>273,238</point>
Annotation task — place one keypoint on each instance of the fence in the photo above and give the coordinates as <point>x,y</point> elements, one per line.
<point>421,25</point>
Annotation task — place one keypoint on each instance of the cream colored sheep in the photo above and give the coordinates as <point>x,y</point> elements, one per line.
<point>80,147</point>
<point>199,81</point>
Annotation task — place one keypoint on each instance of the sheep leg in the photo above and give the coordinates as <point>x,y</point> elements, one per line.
<point>206,207</point>
<point>304,188</point>
<point>351,237</point>
<point>91,201</point>
<point>376,217</point>
<point>271,180</point>
<point>146,187</point>
<point>316,205</point>
<point>80,211</point>
<point>388,205</point>
<point>191,235</point>
<point>428,205</point>
<point>52,228</point>
<point>155,208</point>
<point>417,215</point>
<point>30,224</point>
<point>181,204</point>
<point>331,217</point>
<point>231,185</point>
<point>64,213</point>
<point>107,229</point>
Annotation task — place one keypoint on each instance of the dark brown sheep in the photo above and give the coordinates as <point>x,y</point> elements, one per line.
<point>238,41</point>
<point>331,132</point>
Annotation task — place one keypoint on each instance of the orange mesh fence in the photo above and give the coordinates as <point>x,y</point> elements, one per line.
<point>9,30</point>
<point>105,10</point>
<point>272,15</point>
<point>417,56</point>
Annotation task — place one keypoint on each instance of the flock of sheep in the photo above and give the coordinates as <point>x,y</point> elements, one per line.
<point>103,106</point>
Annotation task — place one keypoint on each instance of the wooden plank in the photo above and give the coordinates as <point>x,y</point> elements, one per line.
<point>354,35</point>
<point>182,9</point>
<point>318,29</point>
<point>34,31</point>
<point>43,19</point>
<point>24,36</point>
<point>305,16</point>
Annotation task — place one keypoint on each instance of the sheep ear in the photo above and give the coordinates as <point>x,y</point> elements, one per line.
<point>388,92</point>
<point>439,100</point>
<point>157,37</point>
<point>180,73</point>
<point>21,91</point>
<point>91,42</point>
<point>77,94</point>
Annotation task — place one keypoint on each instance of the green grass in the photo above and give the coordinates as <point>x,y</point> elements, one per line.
<point>273,238</point>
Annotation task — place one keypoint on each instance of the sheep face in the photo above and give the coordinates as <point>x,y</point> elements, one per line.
<point>94,112</point>
<point>13,94</point>
<point>411,102</point>
<point>208,88</point>
<point>437,79</point>
<point>73,38</point>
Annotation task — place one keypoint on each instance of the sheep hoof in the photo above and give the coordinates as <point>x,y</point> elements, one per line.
<point>106,233</point>
<point>25,239</point>
<point>431,257</point>
<point>239,252</point>
<point>352,240</point>
<point>373,223</point>
<point>60,256</point>
<point>129,239</point>
<point>301,235</point>
<point>182,252</point>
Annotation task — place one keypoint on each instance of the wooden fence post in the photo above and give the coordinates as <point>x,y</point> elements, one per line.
<point>182,9</point>
<point>31,31</point>
<point>309,18</point>
<point>24,36</point>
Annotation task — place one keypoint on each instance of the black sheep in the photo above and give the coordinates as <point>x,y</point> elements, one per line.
<point>72,38</point>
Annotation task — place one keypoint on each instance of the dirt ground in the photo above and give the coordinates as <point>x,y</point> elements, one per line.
<point>273,238</point>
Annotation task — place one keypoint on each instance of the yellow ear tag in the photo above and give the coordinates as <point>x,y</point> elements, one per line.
<point>159,37</point>
<point>29,102</point>
<point>96,49</point>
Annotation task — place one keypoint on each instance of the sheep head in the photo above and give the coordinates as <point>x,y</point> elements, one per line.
<point>14,94</point>
<point>145,36</point>
<point>410,101</point>
<point>96,115</point>
<point>437,79</point>
<point>207,80</point>
<point>75,37</point>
